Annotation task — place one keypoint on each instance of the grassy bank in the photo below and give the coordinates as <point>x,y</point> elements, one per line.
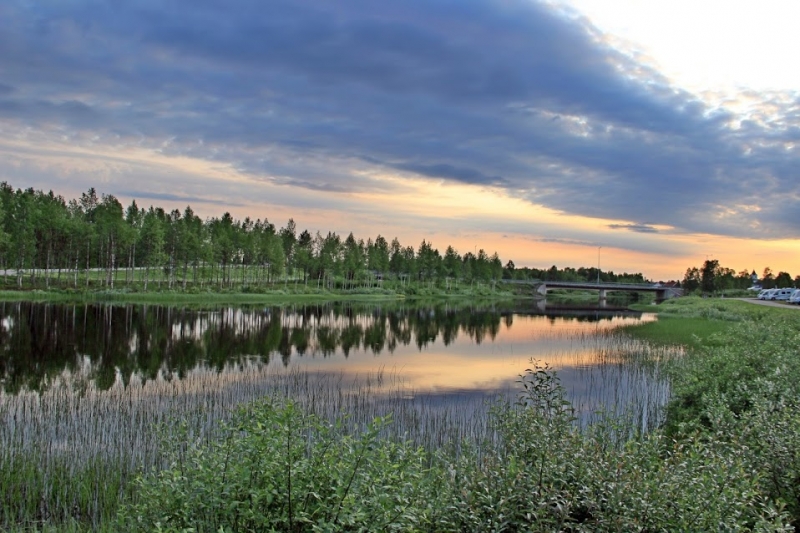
<point>739,384</point>
<point>702,322</point>
<point>276,294</point>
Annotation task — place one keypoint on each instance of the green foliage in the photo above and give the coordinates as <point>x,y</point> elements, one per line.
<point>544,474</point>
<point>771,431</point>
<point>754,361</point>
<point>739,387</point>
<point>275,468</point>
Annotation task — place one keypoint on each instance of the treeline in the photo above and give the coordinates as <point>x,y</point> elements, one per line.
<point>712,277</point>
<point>570,274</point>
<point>94,242</point>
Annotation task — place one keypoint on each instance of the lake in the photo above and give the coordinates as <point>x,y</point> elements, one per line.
<point>447,352</point>
<point>92,395</point>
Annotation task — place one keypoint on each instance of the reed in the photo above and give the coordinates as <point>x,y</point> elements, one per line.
<point>68,454</point>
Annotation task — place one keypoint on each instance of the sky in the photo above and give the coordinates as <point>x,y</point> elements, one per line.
<point>640,135</point>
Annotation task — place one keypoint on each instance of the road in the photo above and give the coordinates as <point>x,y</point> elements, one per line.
<point>770,303</point>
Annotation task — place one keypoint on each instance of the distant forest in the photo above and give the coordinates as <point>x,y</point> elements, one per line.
<point>712,277</point>
<point>95,242</point>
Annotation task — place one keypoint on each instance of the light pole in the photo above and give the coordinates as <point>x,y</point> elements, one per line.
<point>598,264</point>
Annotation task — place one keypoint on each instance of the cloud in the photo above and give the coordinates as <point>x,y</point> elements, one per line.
<point>638,228</point>
<point>144,194</point>
<point>447,171</point>
<point>324,96</point>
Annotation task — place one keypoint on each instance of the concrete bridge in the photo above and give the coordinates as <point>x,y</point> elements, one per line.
<point>662,293</point>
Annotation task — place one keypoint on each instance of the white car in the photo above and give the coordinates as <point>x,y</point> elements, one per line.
<point>767,294</point>
<point>762,294</point>
<point>795,297</point>
<point>781,294</point>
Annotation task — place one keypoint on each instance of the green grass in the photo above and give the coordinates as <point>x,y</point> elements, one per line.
<point>276,293</point>
<point>702,322</point>
<point>678,330</point>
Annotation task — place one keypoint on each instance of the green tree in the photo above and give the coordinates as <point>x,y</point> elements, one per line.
<point>691,280</point>
<point>304,254</point>
<point>469,267</point>
<point>353,260</point>
<point>483,266</point>
<point>378,255</point>
<point>783,279</point>
<point>133,218</point>
<point>508,270</point>
<point>7,200</point>
<point>452,263</point>
<point>328,254</point>
<point>396,262</point>
<point>708,275</point>
<point>191,234</point>
<point>22,231</point>
<point>743,279</point>
<point>50,230</point>
<point>224,246</point>
<point>289,239</point>
<point>110,232</point>
<point>495,267</point>
<point>768,279</point>
<point>428,261</point>
<point>151,242</point>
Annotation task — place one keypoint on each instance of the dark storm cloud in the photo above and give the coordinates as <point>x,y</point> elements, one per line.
<point>511,94</point>
<point>443,170</point>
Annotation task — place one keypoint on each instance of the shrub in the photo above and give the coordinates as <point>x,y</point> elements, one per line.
<point>277,469</point>
<point>543,474</point>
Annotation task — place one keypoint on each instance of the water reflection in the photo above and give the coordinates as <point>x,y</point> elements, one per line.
<point>435,347</point>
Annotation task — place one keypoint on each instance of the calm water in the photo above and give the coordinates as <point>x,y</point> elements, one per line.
<point>445,351</point>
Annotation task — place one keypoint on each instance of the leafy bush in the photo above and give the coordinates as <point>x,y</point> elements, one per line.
<point>753,361</point>
<point>275,468</point>
<point>544,474</point>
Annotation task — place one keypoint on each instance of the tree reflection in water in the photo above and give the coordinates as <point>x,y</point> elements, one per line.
<point>40,341</point>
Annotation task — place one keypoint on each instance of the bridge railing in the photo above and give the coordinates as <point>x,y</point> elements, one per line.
<point>588,282</point>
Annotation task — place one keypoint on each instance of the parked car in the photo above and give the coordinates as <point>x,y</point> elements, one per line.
<point>795,297</point>
<point>762,294</point>
<point>767,294</point>
<point>781,294</point>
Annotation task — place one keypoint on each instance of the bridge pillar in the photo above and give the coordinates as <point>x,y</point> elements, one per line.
<point>602,295</point>
<point>542,289</point>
